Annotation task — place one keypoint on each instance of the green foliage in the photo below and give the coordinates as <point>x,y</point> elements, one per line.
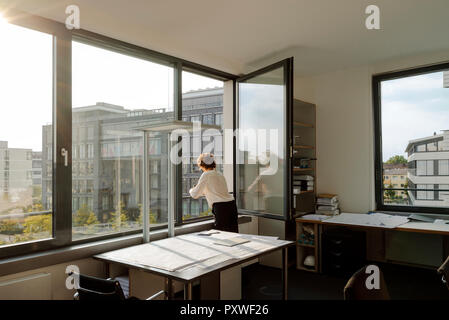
<point>153,219</point>
<point>84,217</point>
<point>206,213</point>
<point>8,226</point>
<point>397,160</point>
<point>390,194</point>
<point>36,207</point>
<point>119,218</point>
<point>37,224</point>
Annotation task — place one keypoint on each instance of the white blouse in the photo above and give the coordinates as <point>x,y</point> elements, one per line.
<point>212,185</point>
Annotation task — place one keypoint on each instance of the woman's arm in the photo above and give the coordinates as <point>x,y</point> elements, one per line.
<point>198,190</point>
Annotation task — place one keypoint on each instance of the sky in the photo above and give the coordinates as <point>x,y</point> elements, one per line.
<point>412,108</point>
<point>98,75</point>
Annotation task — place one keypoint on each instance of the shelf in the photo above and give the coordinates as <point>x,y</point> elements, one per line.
<point>302,192</point>
<point>302,169</point>
<point>306,269</point>
<point>305,245</point>
<point>303,147</point>
<point>302,124</point>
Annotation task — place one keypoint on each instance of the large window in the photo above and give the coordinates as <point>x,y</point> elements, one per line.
<point>202,101</point>
<point>71,149</point>
<point>26,103</point>
<point>412,139</point>
<point>112,94</point>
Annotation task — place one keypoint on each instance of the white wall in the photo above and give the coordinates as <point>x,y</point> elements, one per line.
<point>345,127</point>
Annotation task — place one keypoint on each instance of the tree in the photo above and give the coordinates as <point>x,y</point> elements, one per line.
<point>36,207</point>
<point>153,219</point>
<point>8,226</point>
<point>397,160</point>
<point>85,217</point>
<point>206,213</point>
<point>390,194</point>
<point>37,224</point>
<point>119,218</point>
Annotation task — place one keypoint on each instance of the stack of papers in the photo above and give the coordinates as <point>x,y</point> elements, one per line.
<point>318,217</point>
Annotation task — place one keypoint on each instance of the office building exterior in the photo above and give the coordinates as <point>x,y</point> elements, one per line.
<point>15,177</point>
<point>428,170</point>
<point>446,79</point>
<point>107,154</point>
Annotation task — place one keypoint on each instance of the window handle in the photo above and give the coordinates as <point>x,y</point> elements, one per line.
<point>65,154</point>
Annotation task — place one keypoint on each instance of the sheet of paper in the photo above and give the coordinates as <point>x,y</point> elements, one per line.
<point>230,242</point>
<point>169,254</point>
<point>373,220</point>
<point>192,250</point>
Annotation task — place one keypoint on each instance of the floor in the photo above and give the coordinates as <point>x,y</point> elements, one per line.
<point>403,282</point>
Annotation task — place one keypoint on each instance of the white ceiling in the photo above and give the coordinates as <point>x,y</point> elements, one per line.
<point>239,35</point>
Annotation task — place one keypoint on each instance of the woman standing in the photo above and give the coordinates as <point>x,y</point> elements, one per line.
<point>212,185</point>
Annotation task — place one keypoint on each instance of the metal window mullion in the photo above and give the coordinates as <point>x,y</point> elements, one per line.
<point>62,137</point>
<point>177,91</point>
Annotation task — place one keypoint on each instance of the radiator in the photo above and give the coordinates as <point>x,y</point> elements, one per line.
<point>31,287</point>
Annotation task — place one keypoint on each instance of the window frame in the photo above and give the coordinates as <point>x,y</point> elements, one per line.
<point>62,121</point>
<point>377,115</point>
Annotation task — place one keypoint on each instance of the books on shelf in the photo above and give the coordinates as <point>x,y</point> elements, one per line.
<point>303,183</point>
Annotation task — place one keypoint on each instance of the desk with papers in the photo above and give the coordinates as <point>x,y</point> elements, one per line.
<point>189,257</point>
<point>378,220</point>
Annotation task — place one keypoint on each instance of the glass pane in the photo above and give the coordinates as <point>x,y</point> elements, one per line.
<point>25,135</point>
<point>414,139</point>
<point>202,100</point>
<point>112,94</point>
<point>261,143</point>
<point>443,167</point>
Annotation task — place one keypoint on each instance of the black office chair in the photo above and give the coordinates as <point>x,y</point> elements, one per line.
<point>93,288</point>
<point>444,271</point>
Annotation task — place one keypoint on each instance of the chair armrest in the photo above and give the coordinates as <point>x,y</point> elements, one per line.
<point>154,296</point>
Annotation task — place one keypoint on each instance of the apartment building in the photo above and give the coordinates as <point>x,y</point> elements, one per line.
<point>428,170</point>
<point>395,176</point>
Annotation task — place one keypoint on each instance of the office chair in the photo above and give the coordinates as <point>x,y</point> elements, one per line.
<point>93,288</point>
<point>444,271</point>
<point>356,288</point>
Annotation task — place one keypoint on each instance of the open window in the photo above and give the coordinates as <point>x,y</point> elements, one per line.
<point>263,121</point>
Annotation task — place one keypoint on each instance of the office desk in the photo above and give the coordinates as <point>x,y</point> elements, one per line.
<point>419,227</point>
<point>412,227</point>
<point>212,257</point>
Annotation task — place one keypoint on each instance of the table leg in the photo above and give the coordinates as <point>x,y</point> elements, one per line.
<point>284,273</point>
<point>188,291</point>
<point>169,288</point>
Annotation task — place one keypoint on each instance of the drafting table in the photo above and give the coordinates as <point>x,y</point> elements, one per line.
<point>190,257</point>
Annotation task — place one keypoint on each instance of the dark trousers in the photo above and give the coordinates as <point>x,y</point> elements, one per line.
<point>225,216</point>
